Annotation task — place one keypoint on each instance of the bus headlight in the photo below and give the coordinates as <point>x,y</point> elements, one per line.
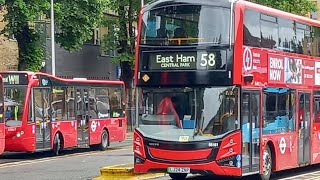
<point>137,139</point>
<point>138,146</point>
<point>18,134</point>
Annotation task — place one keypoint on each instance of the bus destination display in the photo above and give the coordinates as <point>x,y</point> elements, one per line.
<point>196,60</point>
<point>15,79</point>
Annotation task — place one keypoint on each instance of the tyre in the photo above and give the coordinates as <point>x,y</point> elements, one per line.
<point>104,140</point>
<point>56,145</point>
<point>267,164</point>
<point>178,176</point>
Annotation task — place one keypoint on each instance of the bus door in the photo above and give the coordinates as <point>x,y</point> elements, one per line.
<point>315,134</point>
<point>250,124</point>
<point>2,125</point>
<point>42,117</point>
<point>304,125</point>
<point>82,99</point>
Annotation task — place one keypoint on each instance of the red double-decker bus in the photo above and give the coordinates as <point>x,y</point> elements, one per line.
<point>43,112</point>
<point>227,88</point>
<point>2,125</point>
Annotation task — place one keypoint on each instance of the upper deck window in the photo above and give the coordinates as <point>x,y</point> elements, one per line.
<point>186,25</point>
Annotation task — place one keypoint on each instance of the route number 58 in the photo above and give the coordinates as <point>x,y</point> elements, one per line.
<point>208,59</point>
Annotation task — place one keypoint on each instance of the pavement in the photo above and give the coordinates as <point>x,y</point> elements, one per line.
<point>129,135</point>
<point>124,172</point>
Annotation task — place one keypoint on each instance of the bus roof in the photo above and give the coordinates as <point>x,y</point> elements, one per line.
<point>157,3</point>
<point>78,80</point>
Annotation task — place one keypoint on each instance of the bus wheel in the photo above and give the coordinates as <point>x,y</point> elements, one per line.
<point>56,145</point>
<point>267,164</point>
<point>104,140</point>
<point>178,176</point>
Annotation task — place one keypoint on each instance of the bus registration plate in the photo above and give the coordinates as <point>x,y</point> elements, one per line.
<point>178,170</point>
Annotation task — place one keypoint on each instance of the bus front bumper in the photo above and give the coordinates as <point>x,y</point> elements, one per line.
<point>202,168</point>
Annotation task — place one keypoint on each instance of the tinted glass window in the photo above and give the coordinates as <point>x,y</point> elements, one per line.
<point>304,39</point>
<point>286,35</point>
<point>278,115</point>
<point>58,105</point>
<point>186,25</point>
<point>300,40</point>
<point>316,42</point>
<point>316,106</point>
<point>14,104</point>
<point>116,104</point>
<point>70,103</point>
<point>102,102</point>
<point>251,29</point>
<point>269,32</point>
<point>200,113</point>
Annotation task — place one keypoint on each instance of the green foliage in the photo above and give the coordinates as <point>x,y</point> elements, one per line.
<point>121,35</point>
<point>20,17</point>
<point>299,7</point>
<point>74,21</point>
<point>110,41</point>
<point>34,53</point>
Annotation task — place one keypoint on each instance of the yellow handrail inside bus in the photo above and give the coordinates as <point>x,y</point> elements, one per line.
<point>183,39</point>
<point>227,114</point>
<point>16,109</point>
<point>175,39</point>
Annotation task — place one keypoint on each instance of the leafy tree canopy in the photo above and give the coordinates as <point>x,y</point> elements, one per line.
<point>74,21</point>
<point>299,7</point>
<point>121,35</point>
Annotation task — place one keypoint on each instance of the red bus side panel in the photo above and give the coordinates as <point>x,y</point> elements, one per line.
<point>26,142</point>
<point>68,131</point>
<point>315,142</point>
<point>116,127</point>
<point>285,149</point>
<point>2,136</point>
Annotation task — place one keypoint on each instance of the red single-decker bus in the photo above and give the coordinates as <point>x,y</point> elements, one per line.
<point>43,112</point>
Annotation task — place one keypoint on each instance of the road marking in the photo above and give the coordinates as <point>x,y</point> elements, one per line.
<point>48,159</point>
<point>310,176</point>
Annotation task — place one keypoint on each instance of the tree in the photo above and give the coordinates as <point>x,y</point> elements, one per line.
<point>74,21</point>
<point>121,37</point>
<point>299,7</point>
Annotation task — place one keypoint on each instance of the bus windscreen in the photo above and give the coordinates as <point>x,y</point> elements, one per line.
<point>186,25</point>
<point>14,103</point>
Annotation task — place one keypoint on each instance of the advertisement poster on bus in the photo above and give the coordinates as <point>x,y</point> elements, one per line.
<point>276,69</point>
<point>293,70</point>
<point>317,73</point>
<point>308,72</point>
<point>254,65</point>
<point>270,68</point>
